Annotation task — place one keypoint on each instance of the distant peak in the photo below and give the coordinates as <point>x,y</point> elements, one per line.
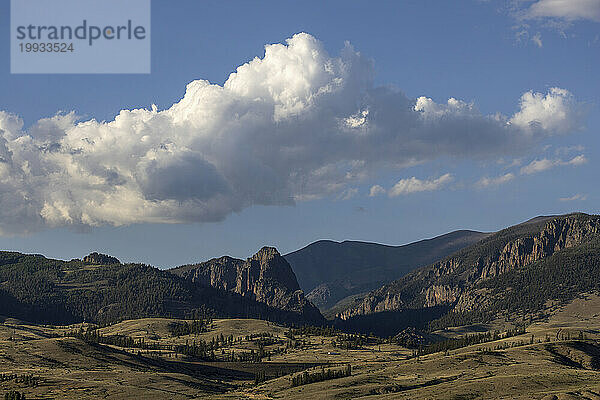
<point>100,259</point>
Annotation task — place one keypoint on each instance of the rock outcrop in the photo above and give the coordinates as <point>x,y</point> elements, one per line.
<point>452,281</point>
<point>100,259</point>
<point>558,234</point>
<point>265,277</point>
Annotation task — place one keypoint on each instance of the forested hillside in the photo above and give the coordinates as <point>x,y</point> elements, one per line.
<point>38,289</point>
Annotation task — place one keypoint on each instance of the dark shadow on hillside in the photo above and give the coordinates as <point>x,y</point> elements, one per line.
<point>389,323</point>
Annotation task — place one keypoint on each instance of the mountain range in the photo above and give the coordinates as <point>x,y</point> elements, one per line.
<point>456,279</point>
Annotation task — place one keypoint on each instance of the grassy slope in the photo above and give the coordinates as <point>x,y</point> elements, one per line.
<point>567,369</point>
<point>70,368</point>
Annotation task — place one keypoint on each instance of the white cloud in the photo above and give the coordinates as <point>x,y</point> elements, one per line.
<point>500,180</point>
<point>546,164</point>
<point>296,124</point>
<point>548,113</point>
<point>568,10</point>
<point>376,190</point>
<point>538,166</point>
<point>553,15</point>
<point>414,185</point>
<point>514,163</point>
<point>580,197</point>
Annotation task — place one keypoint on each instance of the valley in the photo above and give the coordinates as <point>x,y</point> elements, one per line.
<point>563,362</point>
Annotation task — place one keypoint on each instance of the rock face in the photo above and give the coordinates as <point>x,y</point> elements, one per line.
<point>558,234</point>
<point>452,281</point>
<point>100,259</point>
<point>265,277</point>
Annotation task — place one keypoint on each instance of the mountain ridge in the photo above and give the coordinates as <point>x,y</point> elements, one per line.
<point>460,281</point>
<point>331,271</point>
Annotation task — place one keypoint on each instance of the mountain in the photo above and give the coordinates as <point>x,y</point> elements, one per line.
<point>517,270</point>
<point>331,271</point>
<point>38,289</point>
<point>266,277</point>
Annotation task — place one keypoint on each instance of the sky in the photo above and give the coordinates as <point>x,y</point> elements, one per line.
<point>280,123</point>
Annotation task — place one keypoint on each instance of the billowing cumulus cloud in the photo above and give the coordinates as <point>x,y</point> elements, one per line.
<point>553,112</point>
<point>296,124</point>
<point>376,190</point>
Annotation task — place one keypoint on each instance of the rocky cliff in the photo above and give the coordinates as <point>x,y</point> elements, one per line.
<point>455,280</point>
<point>265,277</point>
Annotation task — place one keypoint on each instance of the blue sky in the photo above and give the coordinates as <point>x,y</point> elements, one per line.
<point>485,53</point>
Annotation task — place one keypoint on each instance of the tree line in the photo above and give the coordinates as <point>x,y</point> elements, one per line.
<point>306,377</point>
